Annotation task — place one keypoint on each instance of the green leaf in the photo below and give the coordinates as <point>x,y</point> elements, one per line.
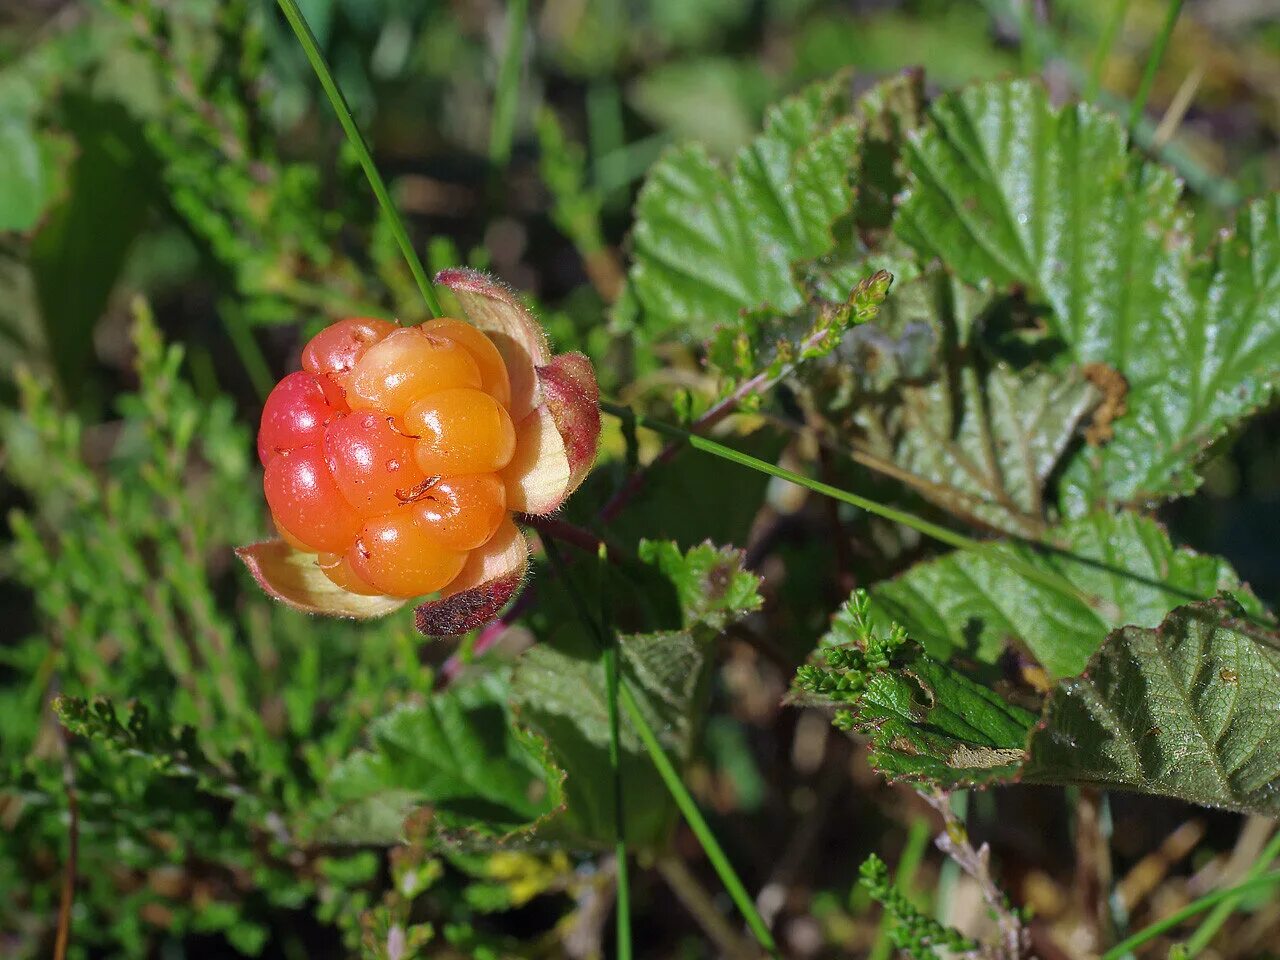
<point>32,168</point>
<point>925,720</point>
<point>920,401</point>
<point>559,688</point>
<point>711,243</point>
<point>459,753</point>
<point>973,604</point>
<point>1188,709</point>
<point>1006,189</point>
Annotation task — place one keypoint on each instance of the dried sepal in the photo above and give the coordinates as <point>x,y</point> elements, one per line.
<point>490,578</point>
<point>294,578</point>
<point>497,310</point>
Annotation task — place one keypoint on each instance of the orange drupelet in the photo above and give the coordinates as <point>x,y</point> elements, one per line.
<point>382,455</point>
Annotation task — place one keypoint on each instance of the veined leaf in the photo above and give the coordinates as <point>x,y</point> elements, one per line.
<point>711,243</point>
<point>1005,188</point>
<point>974,604</point>
<point>926,720</point>
<point>1190,709</point>
<point>559,691</point>
<point>920,401</point>
<point>1187,709</point>
<point>459,753</point>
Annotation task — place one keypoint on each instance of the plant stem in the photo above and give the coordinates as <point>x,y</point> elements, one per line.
<point>1108,39</point>
<point>1153,62</point>
<point>506,96</point>
<point>679,792</point>
<point>312,50</point>
<point>693,816</point>
<point>1205,932</point>
<point>929,529</point>
<point>1130,944</point>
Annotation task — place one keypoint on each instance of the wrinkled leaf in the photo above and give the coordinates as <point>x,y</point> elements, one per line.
<point>457,752</point>
<point>1007,189</point>
<point>1189,709</point>
<point>918,401</point>
<point>711,243</point>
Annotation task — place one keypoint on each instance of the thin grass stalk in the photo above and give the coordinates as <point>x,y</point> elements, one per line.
<point>1213,923</point>
<point>1149,933</point>
<point>340,107</point>
<point>666,769</point>
<point>507,95</point>
<point>1153,62</point>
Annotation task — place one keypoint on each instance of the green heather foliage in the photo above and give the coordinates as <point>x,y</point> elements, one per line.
<point>992,313</point>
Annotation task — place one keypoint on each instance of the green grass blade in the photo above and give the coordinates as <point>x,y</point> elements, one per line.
<point>1128,945</point>
<point>610,656</point>
<point>1213,923</point>
<point>1153,62</point>
<point>312,50</point>
<point>507,95</point>
<point>670,776</point>
<point>1108,39</point>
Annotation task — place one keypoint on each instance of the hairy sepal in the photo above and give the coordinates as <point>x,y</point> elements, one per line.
<point>497,310</point>
<point>294,578</point>
<point>491,577</point>
<point>556,444</point>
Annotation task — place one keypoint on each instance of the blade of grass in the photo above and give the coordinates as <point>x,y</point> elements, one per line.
<point>1108,39</point>
<point>610,657</point>
<point>1128,945</point>
<point>932,530</point>
<point>312,50</point>
<point>1153,62</point>
<point>506,96</point>
<point>1213,923</point>
<point>679,792</point>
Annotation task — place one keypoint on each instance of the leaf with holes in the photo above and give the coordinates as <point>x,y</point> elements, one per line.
<point>1004,188</point>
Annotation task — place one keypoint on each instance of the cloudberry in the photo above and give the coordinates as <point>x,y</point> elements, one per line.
<point>395,457</point>
<point>381,454</point>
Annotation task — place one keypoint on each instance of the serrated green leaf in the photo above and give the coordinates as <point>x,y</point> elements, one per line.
<point>559,690</point>
<point>458,753</point>
<point>1007,189</point>
<point>974,604</point>
<point>710,244</point>
<point>1188,709</point>
<point>926,721</point>
<point>920,403</point>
